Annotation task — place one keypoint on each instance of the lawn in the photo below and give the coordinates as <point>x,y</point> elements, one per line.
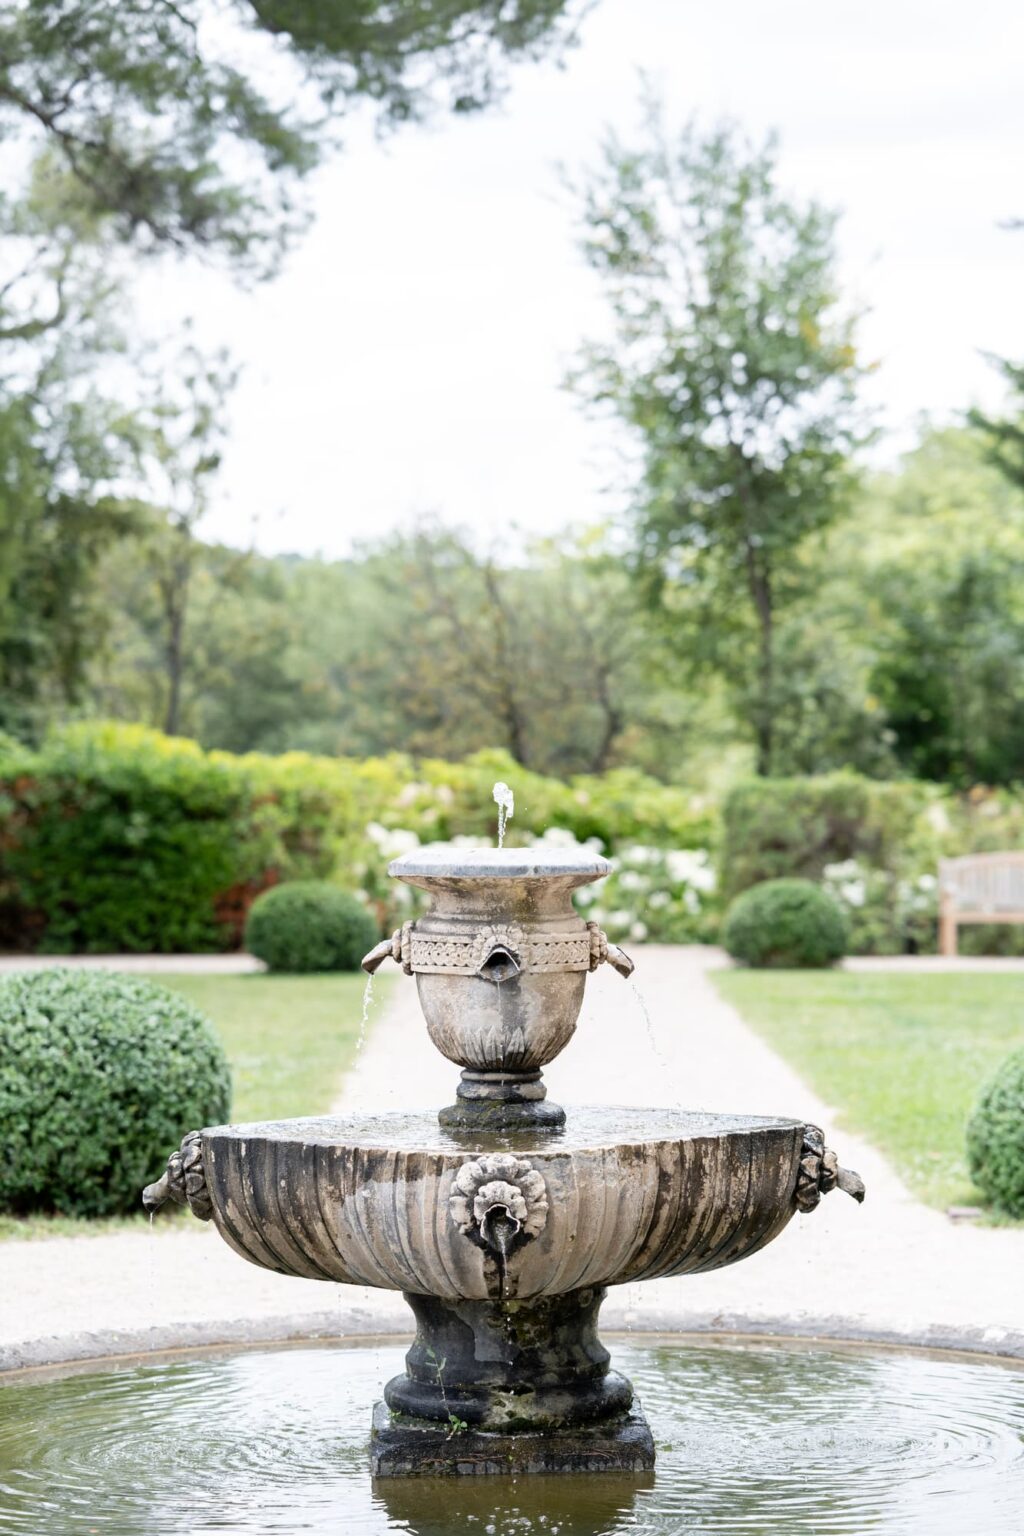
<point>900,1056</point>
<point>289,1039</point>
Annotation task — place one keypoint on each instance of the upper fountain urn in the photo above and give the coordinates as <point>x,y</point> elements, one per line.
<point>500,961</point>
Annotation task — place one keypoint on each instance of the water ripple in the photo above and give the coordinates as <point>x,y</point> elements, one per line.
<point>752,1441</point>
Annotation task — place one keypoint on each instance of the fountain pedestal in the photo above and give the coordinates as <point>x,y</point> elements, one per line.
<point>493,1381</point>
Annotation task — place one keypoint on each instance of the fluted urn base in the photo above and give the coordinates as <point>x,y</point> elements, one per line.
<point>489,1380</point>
<point>501,1101</point>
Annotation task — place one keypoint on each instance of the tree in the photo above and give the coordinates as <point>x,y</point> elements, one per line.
<point>734,368</point>
<point>188,123</point>
<point>940,565</point>
<point>540,659</point>
<point>1004,435</point>
<point>177,446</point>
<point>64,446</point>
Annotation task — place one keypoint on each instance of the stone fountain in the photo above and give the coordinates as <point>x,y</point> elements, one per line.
<point>503,1219</point>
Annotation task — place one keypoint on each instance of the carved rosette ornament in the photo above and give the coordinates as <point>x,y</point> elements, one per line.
<point>184,1182</point>
<point>499,1183</point>
<point>820,1172</point>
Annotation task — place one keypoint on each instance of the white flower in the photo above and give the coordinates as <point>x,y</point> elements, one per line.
<point>632,880</point>
<point>853,892</point>
<point>691,866</point>
<point>411,792</point>
<point>937,818</point>
<point>638,931</point>
<point>659,899</point>
<point>393,842</point>
<point>926,882</point>
<point>620,919</point>
<point>559,837</point>
<point>848,869</point>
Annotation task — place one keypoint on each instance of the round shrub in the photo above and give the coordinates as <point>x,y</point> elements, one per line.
<point>792,923</point>
<point>100,1077</point>
<point>309,925</point>
<point>995,1137</point>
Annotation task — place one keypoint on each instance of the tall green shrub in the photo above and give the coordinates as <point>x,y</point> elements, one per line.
<point>119,838</point>
<point>793,828</point>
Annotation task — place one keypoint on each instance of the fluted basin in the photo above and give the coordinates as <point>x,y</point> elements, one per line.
<point>386,1200</point>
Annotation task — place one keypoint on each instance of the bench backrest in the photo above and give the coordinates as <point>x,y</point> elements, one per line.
<point>984,882</point>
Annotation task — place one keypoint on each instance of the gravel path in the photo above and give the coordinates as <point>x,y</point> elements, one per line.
<point>890,1269</point>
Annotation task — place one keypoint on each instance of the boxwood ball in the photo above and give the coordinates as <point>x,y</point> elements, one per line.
<point>100,1077</point>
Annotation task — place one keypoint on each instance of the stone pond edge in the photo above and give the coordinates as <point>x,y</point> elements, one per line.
<point>352,1326</point>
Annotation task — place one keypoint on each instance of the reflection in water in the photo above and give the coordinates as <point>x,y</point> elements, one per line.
<point>566,1506</point>
<point>752,1441</point>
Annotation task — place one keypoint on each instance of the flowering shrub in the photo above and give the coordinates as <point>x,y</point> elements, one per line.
<point>664,896</point>
<point>886,914</point>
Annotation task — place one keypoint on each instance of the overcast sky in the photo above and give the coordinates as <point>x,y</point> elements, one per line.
<point>409,357</point>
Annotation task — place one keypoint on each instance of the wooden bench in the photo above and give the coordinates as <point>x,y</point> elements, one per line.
<point>979,888</point>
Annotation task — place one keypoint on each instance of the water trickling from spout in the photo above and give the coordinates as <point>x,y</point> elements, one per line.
<point>664,1064</point>
<point>505,801</point>
<point>364,1021</point>
<point>499,1229</point>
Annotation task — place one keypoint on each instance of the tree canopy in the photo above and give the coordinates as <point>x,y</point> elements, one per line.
<point>188,124</point>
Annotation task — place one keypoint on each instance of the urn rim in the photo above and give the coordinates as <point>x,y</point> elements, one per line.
<point>443,862</point>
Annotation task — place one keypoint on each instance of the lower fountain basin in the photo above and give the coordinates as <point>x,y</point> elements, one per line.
<point>812,1439</point>
<point>394,1201</point>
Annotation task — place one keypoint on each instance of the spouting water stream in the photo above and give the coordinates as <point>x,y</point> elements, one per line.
<point>364,1021</point>
<point>505,801</point>
<point>659,1055</point>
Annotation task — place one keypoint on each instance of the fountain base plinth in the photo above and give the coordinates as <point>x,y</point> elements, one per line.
<point>501,1101</point>
<point>407,1447</point>
<point>509,1367</point>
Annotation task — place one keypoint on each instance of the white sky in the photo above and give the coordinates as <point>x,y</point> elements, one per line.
<point>409,357</point>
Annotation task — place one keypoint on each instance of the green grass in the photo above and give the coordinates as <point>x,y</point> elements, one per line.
<point>289,1039</point>
<point>901,1057</point>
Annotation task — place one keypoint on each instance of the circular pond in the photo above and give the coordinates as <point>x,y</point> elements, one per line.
<point>753,1439</point>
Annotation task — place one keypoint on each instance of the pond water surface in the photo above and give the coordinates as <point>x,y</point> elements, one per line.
<point>753,1440</point>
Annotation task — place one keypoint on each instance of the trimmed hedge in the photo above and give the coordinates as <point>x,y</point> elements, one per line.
<point>794,828</point>
<point>115,837</point>
<point>995,1138</point>
<point>785,923</point>
<point>100,1077</point>
<point>309,925</point>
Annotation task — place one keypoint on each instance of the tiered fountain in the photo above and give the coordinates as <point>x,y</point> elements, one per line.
<point>503,1219</point>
